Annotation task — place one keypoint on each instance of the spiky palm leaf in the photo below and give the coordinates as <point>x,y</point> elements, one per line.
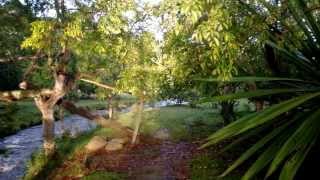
<point>285,146</point>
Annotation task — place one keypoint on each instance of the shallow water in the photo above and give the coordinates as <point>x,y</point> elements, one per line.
<point>21,145</point>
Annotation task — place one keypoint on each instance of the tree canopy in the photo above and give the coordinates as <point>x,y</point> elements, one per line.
<point>210,51</point>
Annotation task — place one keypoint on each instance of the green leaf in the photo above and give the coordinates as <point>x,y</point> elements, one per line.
<point>265,158</point>
<point>249,134</point>
<point>251,94</point>
<point>309,18</point>
<point>257,119</point>
<point>292,165</point>
<point>253,149</point>
<point>248,79</point>
<point>305,134</point>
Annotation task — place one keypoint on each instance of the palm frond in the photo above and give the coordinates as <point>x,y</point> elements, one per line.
<point>251,94</point>
<point>308,131</point>
<point>249,79</point>
<point>256,119</point>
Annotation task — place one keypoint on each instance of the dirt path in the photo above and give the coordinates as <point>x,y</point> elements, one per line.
<point>151,159</point>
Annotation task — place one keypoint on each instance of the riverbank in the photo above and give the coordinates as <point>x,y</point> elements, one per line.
<point>24,114</point>
<point>167,133</point>
<point>17,148</point>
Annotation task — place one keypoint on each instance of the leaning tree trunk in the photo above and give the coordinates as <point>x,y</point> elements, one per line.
<point>138,121</point>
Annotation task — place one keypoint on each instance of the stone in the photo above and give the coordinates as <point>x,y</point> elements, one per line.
<point>115,144</point>
<point>118,140</point>
<point>96,143</point>
<point>163,134</point>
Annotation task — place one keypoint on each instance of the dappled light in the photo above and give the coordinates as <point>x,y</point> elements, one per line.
<point>159,89</point>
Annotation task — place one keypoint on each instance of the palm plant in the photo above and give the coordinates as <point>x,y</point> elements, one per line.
<point>291,126</point>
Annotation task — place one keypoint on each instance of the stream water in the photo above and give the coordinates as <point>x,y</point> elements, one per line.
<point>21,145</point>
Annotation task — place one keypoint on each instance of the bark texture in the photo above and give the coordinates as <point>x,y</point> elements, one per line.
<point>227,107</point>
<point>138,121</point>
<point>110,106</point>
<point>69,106</point>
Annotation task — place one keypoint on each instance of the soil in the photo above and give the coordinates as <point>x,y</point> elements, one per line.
<point>150,159</point>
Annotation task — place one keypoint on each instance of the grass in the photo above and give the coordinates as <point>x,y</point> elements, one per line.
<point>98,175</point>
<point>40,167</point>
<point>26,113</point>
<point>204,167</point>
<point>182,122</point>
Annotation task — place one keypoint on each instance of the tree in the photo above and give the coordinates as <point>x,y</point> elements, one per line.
<point>140,74</point>
<point>56,40</point>
<point>14,19</point>
<point>211,38</point>
<point>290,127</point>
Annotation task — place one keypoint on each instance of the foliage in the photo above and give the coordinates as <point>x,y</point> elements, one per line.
<point>17,116</point>
<point>139,76</point>
<point>14,18</point>
<point>291,126</point>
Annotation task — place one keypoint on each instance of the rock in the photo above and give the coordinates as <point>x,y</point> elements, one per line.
<point>115,144</point>
<point>118,140</point>
<point>162,134</point>
<point>96,143</point>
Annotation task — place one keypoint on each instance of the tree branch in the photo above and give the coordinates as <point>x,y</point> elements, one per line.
<point>22,94</point>
<point>97,84</point>
<point>72,108</point>
<point>22,58</point>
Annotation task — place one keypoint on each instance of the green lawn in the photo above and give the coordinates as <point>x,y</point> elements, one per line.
<point>183,122</point>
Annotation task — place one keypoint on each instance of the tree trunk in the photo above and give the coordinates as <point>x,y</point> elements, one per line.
<point>47,110</point>
<point>259,105</point>
<point>48,131</point>
<point>110,107</point>
<point>227,110</point>
<point>46,103</point>
<point>61,117</point>
<point>258,102</point>
<point>138,121</point>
